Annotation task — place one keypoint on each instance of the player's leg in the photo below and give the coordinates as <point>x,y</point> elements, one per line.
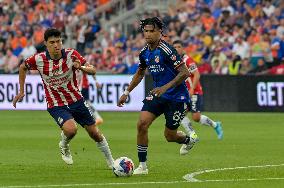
<point>174,113</point>
<point>86,95</point>
<point>98,117</point>
<point>202,119</point>
<point>82,114</point>
<point>69,129</point>
<point>143,124</point>
<point>186,124</point>
<point>150,110</point>
<point>101,141</point>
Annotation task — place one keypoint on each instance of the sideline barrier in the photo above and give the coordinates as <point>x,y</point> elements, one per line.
<point>104,99</point>
<point>221,93</point>
<point>240,93</point>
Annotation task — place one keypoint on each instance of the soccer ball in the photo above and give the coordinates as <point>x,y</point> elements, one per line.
<point>123,166</point>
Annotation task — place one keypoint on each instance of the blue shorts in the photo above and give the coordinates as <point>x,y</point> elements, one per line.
<point>196,103</point>
<point>79,111</point>
<point>85,93</point>
<point>174,111</point>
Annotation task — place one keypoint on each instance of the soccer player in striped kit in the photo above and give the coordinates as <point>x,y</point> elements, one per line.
<point>57,68</point>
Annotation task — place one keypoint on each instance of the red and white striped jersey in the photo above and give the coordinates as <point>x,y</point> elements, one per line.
<point>191,65</point>
<point>58,76</point>
<point>82,79</point>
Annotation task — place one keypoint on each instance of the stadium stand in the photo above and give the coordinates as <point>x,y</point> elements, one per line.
<point>224,37</point>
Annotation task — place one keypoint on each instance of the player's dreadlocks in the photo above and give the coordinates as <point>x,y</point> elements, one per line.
<point>155,21</point>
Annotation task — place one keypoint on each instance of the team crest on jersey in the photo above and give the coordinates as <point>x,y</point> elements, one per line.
<point>157,59</point>
<point>173,57</point>
<point>55,72</point>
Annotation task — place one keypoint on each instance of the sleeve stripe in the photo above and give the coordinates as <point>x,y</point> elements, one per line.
<point>165,48</point>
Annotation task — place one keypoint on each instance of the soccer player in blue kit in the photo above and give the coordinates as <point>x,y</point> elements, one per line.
<point>169,96</point>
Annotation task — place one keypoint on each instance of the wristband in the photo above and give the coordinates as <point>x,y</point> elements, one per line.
<point>126,92</point>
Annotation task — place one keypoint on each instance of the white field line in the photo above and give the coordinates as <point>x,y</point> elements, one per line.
<point>136,183</point>
<point>190,177</point>
<point>92,184</point>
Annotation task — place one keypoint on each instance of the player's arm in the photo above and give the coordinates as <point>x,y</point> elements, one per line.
<point>86,68</point>
<point>194,71</point>
<point>22,78</point>
<point>137,78</point>
<point>182,75</point>
<point>79,62</point>
<point>195,80</point>
<point>98,85</point>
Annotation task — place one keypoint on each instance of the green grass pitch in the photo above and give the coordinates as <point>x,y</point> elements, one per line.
<point>29,154</point>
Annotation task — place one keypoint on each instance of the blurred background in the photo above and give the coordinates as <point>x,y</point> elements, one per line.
<point>238,45</point>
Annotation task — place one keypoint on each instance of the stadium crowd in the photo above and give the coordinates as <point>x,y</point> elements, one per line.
<point>236,37</point>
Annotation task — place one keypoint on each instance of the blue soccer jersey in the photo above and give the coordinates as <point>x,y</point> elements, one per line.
<point>162,63</point>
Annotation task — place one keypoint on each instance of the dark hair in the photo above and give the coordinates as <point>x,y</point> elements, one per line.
<point>155,21</point>
<point>178,42</point>
<point>51,32</point>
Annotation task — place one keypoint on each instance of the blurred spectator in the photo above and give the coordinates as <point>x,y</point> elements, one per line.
<point>2,62</point>
<point>241,48</point>
<point>235,66</point>
<point>28,51</point>
<point>133,66</point>
<point>218,61</point>
<point>214,32</point>
<point>245,67</point>
<point>11,62</point>
<point>261,66</point>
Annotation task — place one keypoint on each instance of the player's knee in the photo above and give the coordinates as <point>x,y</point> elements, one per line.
<point>69,128</point>
<point>70,132</point>
<point>196,117</point>
<point>142,126</point>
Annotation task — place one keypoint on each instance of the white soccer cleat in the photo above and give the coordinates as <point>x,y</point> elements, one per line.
<point>140,171</point>
<point>184,149</point>
<point>65,153</point>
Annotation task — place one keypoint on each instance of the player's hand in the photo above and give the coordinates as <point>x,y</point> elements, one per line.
<point>77,64</point>
<point>158,91</point>
<point>122,100</point>
<point>18,98</point>
<point>98,85</point>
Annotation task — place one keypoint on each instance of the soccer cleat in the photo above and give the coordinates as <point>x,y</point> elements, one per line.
<point>184,149</point>
<point>65,153</point>
<point>219,130</point>
<point>140,171</point>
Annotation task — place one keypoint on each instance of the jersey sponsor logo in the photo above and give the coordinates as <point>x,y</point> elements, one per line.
<point>156,68</point>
